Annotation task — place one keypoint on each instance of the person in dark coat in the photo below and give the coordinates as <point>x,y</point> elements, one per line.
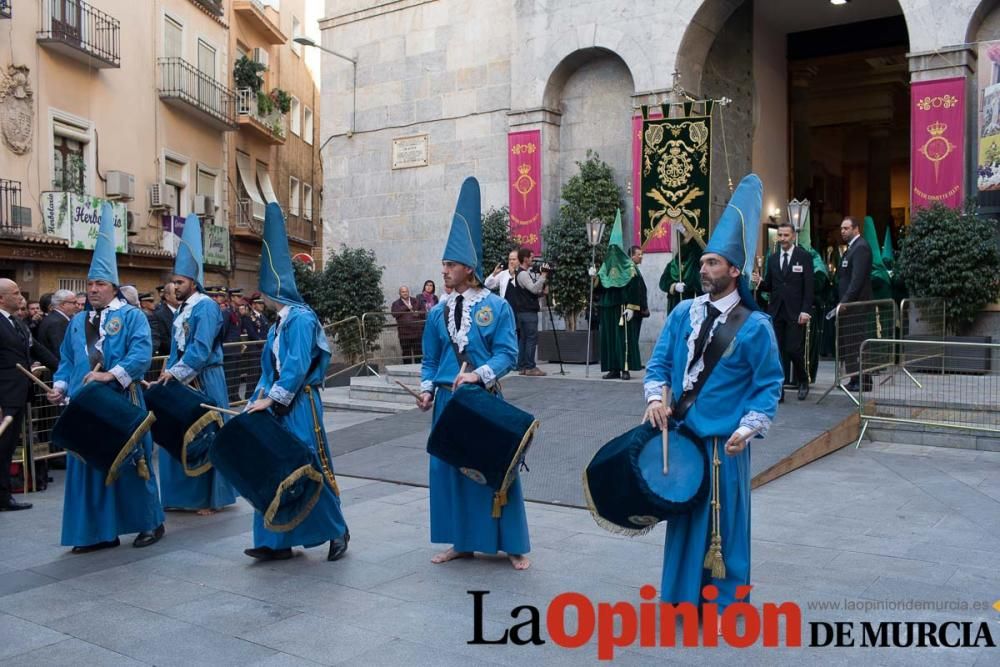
<point>410,316</point>
<point>52,330</point>
<point>854,283</point>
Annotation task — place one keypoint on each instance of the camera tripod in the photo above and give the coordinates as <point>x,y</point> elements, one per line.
<point>555,334</point>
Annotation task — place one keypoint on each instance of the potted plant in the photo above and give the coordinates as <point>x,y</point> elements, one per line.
<point>248,73</point>
<point>592,193</point>
<point>497,240</point>
<point>282,100</point>
<point>952,254</point>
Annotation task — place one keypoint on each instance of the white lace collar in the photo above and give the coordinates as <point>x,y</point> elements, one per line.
<point>697,315</point>
<point>184,312</point>
<point>473,295</point>
<point>113,305</point>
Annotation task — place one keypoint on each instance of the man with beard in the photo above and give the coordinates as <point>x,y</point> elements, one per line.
<point>719,357</point>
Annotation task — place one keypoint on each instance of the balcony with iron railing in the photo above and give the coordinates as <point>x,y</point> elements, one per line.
<point>82,32</point>
<point>249,216</point>
<point>270,126</point>
<point>263,18</point>
<point>5,9</point>
<point>14,218</point>
<point>185,87</point>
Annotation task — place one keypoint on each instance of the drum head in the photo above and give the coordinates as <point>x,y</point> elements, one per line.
<point>686,473</point>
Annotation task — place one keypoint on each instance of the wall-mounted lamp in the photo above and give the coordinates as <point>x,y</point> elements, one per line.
<point>775,214</point>
<point>798,212</point>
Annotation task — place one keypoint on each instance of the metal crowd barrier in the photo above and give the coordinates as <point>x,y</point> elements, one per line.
<point>854,323</point>
<point>36,428</point>
<point>347,346</point>
<point>957,389</point>
<point>385,346</point>
<point>922,318</point>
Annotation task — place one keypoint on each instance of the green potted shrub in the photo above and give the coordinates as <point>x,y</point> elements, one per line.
<point>248,73</point>
<point>497,239</point>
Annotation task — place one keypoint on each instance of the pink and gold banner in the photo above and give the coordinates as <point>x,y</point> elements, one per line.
<point>937,143</point>
<point>525,174</point>
<point>662,242</point>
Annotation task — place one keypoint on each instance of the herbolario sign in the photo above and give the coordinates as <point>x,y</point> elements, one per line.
<point>77,218</point>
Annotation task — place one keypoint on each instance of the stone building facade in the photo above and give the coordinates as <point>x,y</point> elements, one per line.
<point>467,73</point>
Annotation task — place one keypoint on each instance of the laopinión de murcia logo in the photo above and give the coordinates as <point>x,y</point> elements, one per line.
<point>572,620</point>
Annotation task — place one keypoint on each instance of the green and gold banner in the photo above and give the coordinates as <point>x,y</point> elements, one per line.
<point>675,174</point>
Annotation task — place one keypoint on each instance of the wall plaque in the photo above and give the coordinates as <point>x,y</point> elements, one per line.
<point>410,152</point>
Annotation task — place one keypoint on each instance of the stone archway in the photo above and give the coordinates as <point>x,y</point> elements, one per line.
<point>704,27</point>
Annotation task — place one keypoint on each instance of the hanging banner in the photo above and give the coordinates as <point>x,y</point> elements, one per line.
<point>674,183</point>
<point>173,227</point>
<point>988,79</point>
<point>525,189</point>
<point>664,242</point>
<point>937,129</point>
<point>215,242</point>
<point>77,218</point>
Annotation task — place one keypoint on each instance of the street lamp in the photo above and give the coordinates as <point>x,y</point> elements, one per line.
<point>306,41</point>
<point>798,211</point>
<point>595,231</point>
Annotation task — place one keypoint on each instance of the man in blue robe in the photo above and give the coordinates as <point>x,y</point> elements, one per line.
<point>293,364</point>
<point>734,401</point>
<point>116,335</point>
<point>473,322</point>
<point>195,359</point>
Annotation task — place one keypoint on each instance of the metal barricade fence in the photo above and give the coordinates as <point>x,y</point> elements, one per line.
<point>39,418</point>
<point>347,346</point>
<point>957,388</point>
<point>856,322</point>
<point>922,318</point>
<point>393,338</point>
<point>241,363</point>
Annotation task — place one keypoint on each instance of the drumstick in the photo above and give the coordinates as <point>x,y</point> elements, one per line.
<point>665,434</point>
<point>5,423</point>
<point>34,378</point>
<point>410,391</point>
<point>227,411</point>
<point>461,371</point>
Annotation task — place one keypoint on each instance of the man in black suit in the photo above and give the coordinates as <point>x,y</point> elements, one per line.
<point>162,320</point>
<point>52,330</point>
<point>854,283</point>
<point>789,281</point>
<point>16,347</point>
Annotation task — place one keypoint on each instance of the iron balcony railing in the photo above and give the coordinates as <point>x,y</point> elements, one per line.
<point>81,31</point>
<point>13,217</point>
<point>180,80</point>
<point>246,99</point>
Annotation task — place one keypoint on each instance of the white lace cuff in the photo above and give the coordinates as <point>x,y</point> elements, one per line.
<point>181,371</point>
<point>280,395</point>
<point>753,420</point>
<point>486,374</point>
<point>428,386</point>
<point>59,385</point>
<point>653,391</point>
<point>124,379</point>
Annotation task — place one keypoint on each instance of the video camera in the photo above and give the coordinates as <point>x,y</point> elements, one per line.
<point>540,265</point>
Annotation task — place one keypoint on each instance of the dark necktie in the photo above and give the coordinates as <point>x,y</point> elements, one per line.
<point>711,314</point>
<point>93,333</point>
<point>458,311</point>
<point>784,262</point>
<point>20,332</point>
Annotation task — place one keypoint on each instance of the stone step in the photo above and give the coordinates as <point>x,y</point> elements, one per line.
<point>915,434</point>
<point>403,371</point>
<point>379,389</point>
<point>339,398</point>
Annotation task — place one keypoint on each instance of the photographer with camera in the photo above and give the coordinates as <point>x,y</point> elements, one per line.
<point>522,294</point>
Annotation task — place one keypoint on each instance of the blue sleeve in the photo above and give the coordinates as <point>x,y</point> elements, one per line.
<point>205,324</point>
<point>266,369</point>
<point>431,346</point>
<point>659,370</point>
<point>763,357</point>
<point>503,352</point>
<point>67,351</point>
<point>298,338</point>
<point>138,347</point>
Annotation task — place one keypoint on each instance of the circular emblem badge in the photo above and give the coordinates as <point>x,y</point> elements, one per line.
<point>113,326</point>
<point>473,474</point>
<point>484,316</point>
<point>643,520</point>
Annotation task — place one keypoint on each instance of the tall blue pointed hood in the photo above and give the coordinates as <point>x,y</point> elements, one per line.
<point>465,241</point>
<point>104,265</point>
<point>277,278</point>
<point>735,234</point>
<point>190,257</point>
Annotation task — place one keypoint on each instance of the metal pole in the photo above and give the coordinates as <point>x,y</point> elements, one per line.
<point>590,316</point>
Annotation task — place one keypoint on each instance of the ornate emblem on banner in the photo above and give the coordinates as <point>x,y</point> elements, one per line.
<point>938,102</point>
<point>937,147</point>
<point>524,183</point>
<point>16,114</point>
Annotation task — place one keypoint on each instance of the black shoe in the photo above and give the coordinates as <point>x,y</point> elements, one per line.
<point>626,375</point>
<point>611,375</point>
<point>97,547</point>
<point>145,538</point>
<point>338,547</point>
<point>803,392</point>
<point>13,506</point>
<point>853,385</point>
<point>267,553</point>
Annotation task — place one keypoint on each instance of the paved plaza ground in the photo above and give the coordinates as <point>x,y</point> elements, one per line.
<point>886,522</point>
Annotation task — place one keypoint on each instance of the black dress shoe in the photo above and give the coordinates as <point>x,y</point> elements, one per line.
<point>13,506</point>
<point>97,547</point>
<point>626,375</point>
<point>611,375</point>
<point>267,553</point>
<point>803,392</point>
<point>145,538</point>
<point>338,547</point>
<point>853,385</point>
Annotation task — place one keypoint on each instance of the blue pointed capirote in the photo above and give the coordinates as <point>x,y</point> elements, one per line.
<point>735,234</point>
<point>190,258</point>
<point>465,240</point>
<point>277,278</point>
<point>104,265</point>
